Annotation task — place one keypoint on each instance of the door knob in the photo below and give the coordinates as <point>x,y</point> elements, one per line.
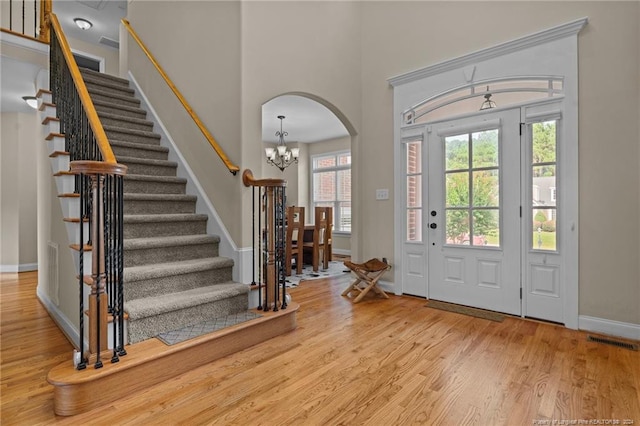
<point>433,226</point>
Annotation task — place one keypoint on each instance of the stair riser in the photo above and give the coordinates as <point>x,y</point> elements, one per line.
<point>141,114</point>
<point>133,102</point>
<point>158,207</point>
<point>55,144</point>
<point>146,328</point>
<point>86,259</point>
<point>164,229</point>
<point>149,170</point>
<point>175,283</point>
<point>65,184</point>
<point>59,163</point>
<point>113,88</point>
<point>73,232</point>
<point>143,187</point>
<point>149,256</point>
<point>122,151</point>
<point>125,124</point>
<point>70,206</point>
<point>132,137</point>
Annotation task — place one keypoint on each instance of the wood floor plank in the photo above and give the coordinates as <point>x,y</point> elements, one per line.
<point>378,362</point>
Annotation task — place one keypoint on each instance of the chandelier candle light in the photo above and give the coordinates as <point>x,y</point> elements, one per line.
<point>281,156</point>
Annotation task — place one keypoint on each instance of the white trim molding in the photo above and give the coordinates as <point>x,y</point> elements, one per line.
<point>23,267</point>
<point>541,37</point>
<point>609,327</point>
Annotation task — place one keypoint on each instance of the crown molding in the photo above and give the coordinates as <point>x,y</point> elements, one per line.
<point>532,40</point>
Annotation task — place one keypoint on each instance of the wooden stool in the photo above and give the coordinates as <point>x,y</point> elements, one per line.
<point>368,274</point>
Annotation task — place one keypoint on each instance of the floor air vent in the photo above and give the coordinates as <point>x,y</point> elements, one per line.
<point>625,345</point>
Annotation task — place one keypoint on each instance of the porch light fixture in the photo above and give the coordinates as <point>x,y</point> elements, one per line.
<point>281,156</point>
<point>488,103</point>
<point>32,101</point>
<point>82,23</point>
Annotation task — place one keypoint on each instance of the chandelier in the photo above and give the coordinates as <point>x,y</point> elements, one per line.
<point>281,156</point>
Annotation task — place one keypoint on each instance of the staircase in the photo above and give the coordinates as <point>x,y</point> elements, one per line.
<point>173,275</point>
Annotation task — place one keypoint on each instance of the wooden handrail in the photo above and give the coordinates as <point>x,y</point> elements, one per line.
<point>232,167</point>
<point>249,180</point>
<point>92,116</point>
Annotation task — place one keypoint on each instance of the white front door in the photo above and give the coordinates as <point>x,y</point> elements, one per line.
<point>474,213</point>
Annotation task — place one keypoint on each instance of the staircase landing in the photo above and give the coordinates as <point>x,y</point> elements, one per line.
<point>150,362</point>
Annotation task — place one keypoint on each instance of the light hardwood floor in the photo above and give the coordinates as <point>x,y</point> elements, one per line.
<point>380,362</point>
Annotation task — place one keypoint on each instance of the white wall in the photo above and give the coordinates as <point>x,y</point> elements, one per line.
<point>18,239</point>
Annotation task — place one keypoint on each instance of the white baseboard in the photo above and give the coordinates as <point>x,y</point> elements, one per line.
<point>68,329</point>
<point>609,327</point>
<point>342,252</point>
<point>23,267</point>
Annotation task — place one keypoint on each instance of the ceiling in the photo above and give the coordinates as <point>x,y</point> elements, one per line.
<point>306,120</point>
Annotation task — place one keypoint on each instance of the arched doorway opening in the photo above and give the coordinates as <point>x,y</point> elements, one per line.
<point>322,137</point>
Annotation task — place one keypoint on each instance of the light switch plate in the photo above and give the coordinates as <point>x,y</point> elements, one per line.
<point>382,194</point>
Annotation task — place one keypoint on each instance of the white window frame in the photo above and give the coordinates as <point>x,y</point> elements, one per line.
<point>336,203</point>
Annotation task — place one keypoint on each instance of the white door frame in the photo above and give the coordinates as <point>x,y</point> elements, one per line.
<point>552,52</point>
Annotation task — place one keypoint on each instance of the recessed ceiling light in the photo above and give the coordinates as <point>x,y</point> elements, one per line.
<point>32,101</point>
<point>83,24</point>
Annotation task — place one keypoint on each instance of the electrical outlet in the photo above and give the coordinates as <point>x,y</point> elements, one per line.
<point>382,194</point>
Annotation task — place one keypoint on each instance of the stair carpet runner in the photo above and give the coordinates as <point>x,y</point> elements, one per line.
<point>173,275</point>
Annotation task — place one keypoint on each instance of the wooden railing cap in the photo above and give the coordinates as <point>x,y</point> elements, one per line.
<point>249,180</point>
<point>88,167</point>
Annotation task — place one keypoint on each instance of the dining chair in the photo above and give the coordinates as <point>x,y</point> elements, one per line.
<point>321,238</point>
<point>294,238</point>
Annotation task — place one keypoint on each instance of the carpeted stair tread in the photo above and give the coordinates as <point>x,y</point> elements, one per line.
<point>138,146</point>
<point>145,272</point>
<point>141,203</point>
<point>111,119</point>
<point>132,196</point>
<point>113,97</point>
<point>147,134</point>
<point>86,72</point>
<point>159,242</point>
<point>107,85</point>
<point>157,218</point>
<point>119,109</point>
<point>123,159</point>
<point>150,306</point>
<point>160,179</point>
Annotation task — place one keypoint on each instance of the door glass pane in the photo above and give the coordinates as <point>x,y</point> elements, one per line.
<point>486,188</point>
<point>457,227</point>
<point>544,229</point>
<point>414,191</point>
<point>457,189</point>
<point>486,227</point>
<point>456,152</point>
<point>543,185</point>
<point>414,225</point>
<point>414,158</point>
<point>544,142</point>
<point>485,149</point>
